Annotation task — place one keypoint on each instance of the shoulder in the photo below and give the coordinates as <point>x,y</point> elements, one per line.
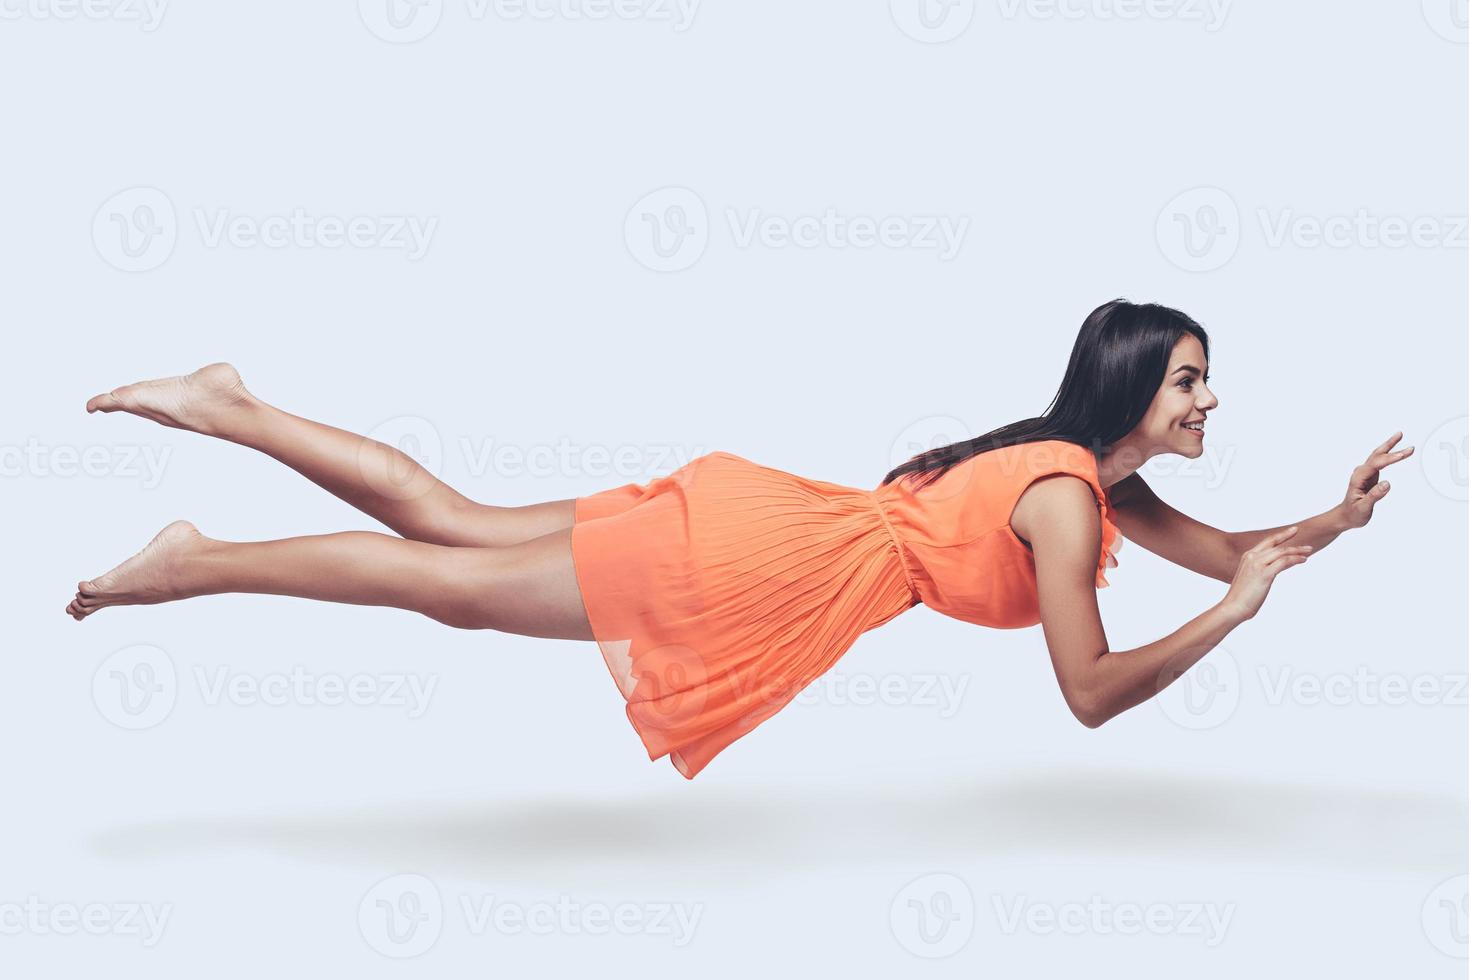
<point>1058,521</point>
<point>1059,501</point>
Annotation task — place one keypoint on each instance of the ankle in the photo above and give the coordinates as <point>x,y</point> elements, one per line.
<point>241,421</point>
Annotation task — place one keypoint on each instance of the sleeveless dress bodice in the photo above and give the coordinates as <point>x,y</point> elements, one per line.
<point>954,536</point>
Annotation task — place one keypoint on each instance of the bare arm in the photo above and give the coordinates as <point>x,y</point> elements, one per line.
<point>1171,534</point>
<point>1318,531</point>
<point>1064,529</point>
<point>1144,518</point>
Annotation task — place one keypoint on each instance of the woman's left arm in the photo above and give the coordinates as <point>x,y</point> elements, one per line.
<point>1143,517</point>
<point>1355,510</point>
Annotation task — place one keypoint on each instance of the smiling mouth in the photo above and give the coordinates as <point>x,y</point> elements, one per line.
<point>1195,427</point>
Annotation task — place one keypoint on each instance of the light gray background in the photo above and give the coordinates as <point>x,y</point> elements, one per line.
<point>1079,145</point>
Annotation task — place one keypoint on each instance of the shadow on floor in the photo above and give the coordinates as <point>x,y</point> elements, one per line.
<point>1082,815</point>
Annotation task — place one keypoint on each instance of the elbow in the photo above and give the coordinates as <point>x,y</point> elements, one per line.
<point>1089,709</point>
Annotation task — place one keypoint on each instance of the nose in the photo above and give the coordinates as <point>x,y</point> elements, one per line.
<point>1208,402</point>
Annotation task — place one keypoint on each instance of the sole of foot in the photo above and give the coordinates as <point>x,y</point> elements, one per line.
<point>153,575</point>
<point>200,402</point>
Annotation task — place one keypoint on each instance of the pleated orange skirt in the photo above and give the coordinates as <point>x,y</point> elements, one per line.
<point>718,592</point>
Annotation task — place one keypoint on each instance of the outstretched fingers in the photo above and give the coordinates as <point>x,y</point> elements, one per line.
<point>1381,457</point>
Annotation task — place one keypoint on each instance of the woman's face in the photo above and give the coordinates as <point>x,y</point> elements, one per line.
<point>1174,423</point>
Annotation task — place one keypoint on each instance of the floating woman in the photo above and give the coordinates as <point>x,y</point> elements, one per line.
<point>717,593</point>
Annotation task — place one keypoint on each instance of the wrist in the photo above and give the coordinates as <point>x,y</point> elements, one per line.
<point>1231,615</point>
<point>1337,519</point>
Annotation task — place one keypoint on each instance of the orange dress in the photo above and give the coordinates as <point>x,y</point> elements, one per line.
<point>717,593</point>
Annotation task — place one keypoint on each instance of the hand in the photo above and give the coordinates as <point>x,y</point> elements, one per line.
<point>1363,492</point>
<point>1257,570</point>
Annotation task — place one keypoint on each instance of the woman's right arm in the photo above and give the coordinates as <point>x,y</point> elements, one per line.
<point>1097,683</point>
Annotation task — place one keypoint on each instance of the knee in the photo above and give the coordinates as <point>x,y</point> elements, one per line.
<point>464,595</point>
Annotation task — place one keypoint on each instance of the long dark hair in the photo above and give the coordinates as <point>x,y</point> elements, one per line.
<point>1117,364</point>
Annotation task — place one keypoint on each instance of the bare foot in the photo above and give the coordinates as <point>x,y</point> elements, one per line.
<point>200,402</point>
<point>152,575</point>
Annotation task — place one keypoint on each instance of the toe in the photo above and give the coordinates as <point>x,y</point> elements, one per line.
<point>104,403</point>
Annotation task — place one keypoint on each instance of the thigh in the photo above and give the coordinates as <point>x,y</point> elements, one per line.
<point>474,525</point>
<point>530,521</point>
<point>534,591</point>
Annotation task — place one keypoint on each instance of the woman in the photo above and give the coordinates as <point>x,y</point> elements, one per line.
<point>718,592</point>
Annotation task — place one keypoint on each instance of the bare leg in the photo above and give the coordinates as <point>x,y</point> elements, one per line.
<point>529,588</point>
<point>377,479</point>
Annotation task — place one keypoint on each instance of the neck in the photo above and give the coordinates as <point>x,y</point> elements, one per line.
<point>1121,461</point>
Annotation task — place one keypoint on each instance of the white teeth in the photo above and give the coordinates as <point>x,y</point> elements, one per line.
<point>1194,425</point>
